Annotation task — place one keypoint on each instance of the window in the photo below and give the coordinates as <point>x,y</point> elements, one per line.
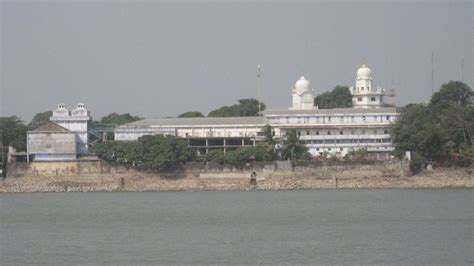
<point>363,131</point>
<point>361,88</point>
<point>341,132</point>
<point>352,132</point>
<point>317,149</point>
<point>340,149</point>
<point>307,132</point>
<point>385,131</point>
<point>317,132</point>
<point>299,133</point>
<point>375,131</point>
<point>352,118</point>
<point>329,149</point>
<point>372,99</point>
<point>329,119</point>
<point>341,118</point>
<point>329,132</point>
<point>363,118</point>
<point>48,146</point>
<point>359,99</point>
<point>387,118</point>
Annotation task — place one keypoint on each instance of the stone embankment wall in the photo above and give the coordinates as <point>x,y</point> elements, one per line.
<point>99,176</point>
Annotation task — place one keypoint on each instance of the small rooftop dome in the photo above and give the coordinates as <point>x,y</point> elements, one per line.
<point>302,85</point>
<point>364,72</point>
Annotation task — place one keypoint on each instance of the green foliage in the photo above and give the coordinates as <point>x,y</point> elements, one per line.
<point>242,155</point>
<point>294,148</point>
<point>216,156</point>
<point>453,92</point>
<point>40,119</point>
<point>13,132</point>
<point>191,114</point>
<point>157,153</point>
<point>268,143</point>
<point>417,163</point>
<point>339,97</point>
<point>357,154</point>
<point>246,107</point>
<point>119,119</point>
<point>440,130</point>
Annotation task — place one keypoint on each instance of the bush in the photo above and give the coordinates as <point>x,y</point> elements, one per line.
<point>417,164</point>
<point>216,156</point>
<point>247,154</point>
<point>447,164</point>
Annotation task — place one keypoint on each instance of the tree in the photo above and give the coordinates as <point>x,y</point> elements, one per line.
<point>294,148</point>
<point>216,156</point>
<point>40,119</point>
<point>156,153</point>
<point>452,92</point>
<point>13,132</point>
<point>164,153</point>
<point>119,119</point>
<point>191,114</point>
<point>246,107</point>
<point>440,130</point>
<point>268,143</point>
<point>242,155</point>
<point>339,97</point>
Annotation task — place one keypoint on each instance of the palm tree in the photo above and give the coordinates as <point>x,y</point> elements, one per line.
<point>293,147</point>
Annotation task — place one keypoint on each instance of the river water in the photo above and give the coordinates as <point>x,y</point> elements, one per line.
<point>322,227</point>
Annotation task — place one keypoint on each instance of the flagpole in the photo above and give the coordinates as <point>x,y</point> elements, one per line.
<point>258,90</point>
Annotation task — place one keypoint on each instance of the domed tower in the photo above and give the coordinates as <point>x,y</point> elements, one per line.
<point>303,95</point>
<point>364,95</point>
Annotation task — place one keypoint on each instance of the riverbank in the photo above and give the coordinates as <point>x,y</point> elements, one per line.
<point>266,180</point>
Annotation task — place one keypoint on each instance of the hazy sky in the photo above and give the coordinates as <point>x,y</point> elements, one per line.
<point>157,59</point>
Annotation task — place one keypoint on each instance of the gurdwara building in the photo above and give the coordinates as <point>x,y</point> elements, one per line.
<point>326,132</point>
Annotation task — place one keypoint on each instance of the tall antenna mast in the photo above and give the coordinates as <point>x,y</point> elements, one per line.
<point>432,73</point>
<point>258,90</point>
<point>462,69</point>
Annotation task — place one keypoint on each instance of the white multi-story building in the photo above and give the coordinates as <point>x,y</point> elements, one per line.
<point>338,131</point>
<point>75,121</point>
<point>326,132</point>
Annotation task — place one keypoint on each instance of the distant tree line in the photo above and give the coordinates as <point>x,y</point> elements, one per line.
<point>339,97</point>
<point>266,150</point>
<point>156,153</point>
<point>245,107</point>
<point>440,132</point>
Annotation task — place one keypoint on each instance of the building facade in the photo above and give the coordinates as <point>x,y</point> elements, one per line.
<point>76,121</point>
<point>63,138</point>
<point>51,142</point>
<point>326,132</point>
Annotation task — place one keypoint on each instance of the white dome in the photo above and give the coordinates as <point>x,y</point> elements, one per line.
<point>364,72</point>
<point>302,85</point>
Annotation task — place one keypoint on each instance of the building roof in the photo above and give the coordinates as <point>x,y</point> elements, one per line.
<point>335,111</point>
<point>51,127</point>
<point>197,121</point>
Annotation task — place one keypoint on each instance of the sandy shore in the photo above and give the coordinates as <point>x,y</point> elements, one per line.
<point>278,180</point>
